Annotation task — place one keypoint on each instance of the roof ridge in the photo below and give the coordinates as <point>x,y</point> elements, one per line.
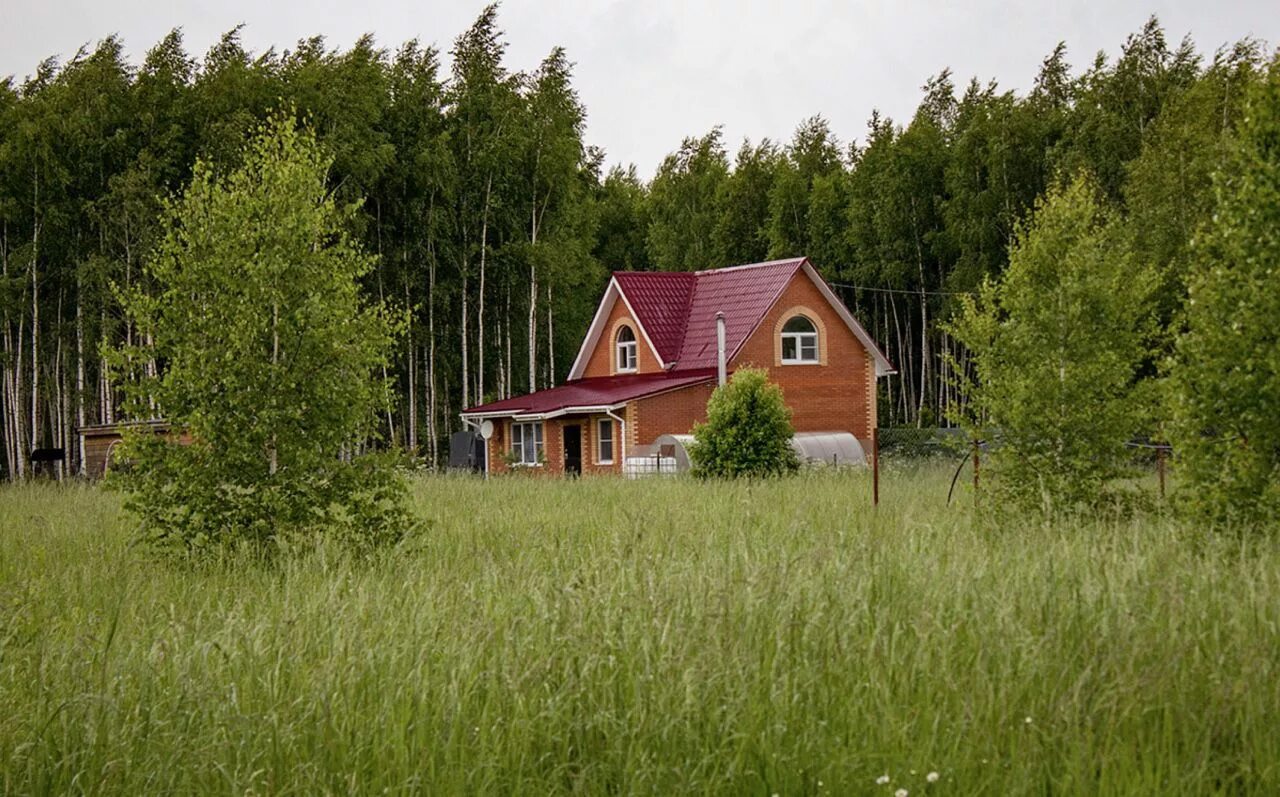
<point>635,273</point>
<point>718,270</point>
<point>744,266</point>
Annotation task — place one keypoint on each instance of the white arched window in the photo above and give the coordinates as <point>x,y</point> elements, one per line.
<point>799,341</point>
<point>626,350</point>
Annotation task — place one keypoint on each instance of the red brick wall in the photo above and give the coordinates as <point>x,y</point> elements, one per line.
<point>838,394</point>
<point>601,360</point>
<point>674,412</point>
<point>553,446</point>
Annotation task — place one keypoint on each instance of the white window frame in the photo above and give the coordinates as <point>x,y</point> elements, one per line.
<point>801,341</point>
<point>519,437</point>
<point>624,351</point>
<point>601,425</point>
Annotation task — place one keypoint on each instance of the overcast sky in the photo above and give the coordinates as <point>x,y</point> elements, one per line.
<point>653,72</point>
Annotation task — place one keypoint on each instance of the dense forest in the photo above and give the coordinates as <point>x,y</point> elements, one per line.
<point>496,226</point>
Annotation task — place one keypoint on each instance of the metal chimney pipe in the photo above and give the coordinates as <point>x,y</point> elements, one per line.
<point>720,364</point>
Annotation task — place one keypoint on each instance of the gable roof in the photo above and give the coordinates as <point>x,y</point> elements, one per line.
<point>660,302</point>
<point>744,294</point>
<point>595,394</point>
<point>676,311</point>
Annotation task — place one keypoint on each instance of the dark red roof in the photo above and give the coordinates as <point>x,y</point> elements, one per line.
<point>598,391</point>
<point>678,309</point>
<point>661,302</point>
<point>744,294</point>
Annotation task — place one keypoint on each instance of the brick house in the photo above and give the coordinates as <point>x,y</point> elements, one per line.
<point>650,360</point>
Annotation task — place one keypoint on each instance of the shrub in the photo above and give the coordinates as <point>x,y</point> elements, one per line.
<point>748,430</point>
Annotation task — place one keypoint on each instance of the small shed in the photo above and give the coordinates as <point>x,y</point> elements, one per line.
<point>100,441</point>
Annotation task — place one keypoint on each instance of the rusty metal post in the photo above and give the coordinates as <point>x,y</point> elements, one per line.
<point>1160,454</point>
<point>875,467</point>
<point>975,471</point>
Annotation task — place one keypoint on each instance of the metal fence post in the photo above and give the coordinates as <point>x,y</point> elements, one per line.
<point>875,467</point>
<point>975,471</point>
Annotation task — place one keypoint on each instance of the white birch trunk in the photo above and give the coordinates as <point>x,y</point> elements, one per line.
<point>79,469</point>
<point>533,296</point>
<point>551,341</point>
<point>466,374</point>
<point>484,248</point>
<point>412,429</point>
<point>431,357</point>
<point>34,439</point>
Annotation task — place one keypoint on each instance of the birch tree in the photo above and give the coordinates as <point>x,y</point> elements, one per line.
<point>271,360</point>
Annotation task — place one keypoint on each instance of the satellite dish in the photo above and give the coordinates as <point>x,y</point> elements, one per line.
<point>486,429</point>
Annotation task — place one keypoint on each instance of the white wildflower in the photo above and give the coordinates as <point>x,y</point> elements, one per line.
<point>901,793</point>
<point>1028,720</point>
<point>932,777</point>
<point>883,779</point>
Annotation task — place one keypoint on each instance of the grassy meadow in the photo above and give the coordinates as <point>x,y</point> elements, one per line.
<point>656,637</point>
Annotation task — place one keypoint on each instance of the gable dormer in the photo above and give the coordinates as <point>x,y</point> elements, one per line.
<point>616,342</point>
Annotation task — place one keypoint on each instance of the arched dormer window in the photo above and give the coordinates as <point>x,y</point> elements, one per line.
<point>625,350</point>
<point>799,341</point>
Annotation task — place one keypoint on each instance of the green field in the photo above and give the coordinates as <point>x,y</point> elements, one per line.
<point>654,637</point>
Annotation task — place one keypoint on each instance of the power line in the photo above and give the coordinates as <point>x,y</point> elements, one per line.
<point>901,290</point>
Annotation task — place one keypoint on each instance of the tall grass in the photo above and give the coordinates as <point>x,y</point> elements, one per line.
<point>651,637</point>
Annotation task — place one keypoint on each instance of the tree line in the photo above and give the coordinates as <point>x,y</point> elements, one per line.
<point>495,224</point>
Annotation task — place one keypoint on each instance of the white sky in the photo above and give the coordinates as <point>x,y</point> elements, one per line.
<point>653,72</point>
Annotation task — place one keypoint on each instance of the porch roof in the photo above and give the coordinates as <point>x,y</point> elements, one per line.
<point>594,394</point>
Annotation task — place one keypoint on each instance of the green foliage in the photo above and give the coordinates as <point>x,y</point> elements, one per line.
<point>623,220</point>
<point>1169,193</point>
<point>748,430</point>
<point>742,231</point>
<point>260,350</point>
<point>1115,104</point>
<point>495,224</point>
<point>1226,376</point>
<point>813,154</point>
<point>1056,346</point>
<point>685,201</point>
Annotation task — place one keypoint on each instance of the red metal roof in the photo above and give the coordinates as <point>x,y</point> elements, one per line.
<point>744,294</point>
<point>599,391</point>
<point>678,309</point>
<point>661,303</point>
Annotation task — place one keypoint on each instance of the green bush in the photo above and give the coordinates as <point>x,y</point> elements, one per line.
<point>748,430</point>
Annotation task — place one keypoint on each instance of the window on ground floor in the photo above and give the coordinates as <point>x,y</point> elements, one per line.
<point>526,443</point>
<point>604,442</point>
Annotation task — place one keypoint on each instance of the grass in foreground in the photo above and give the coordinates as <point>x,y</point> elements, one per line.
<point>645,637</point>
